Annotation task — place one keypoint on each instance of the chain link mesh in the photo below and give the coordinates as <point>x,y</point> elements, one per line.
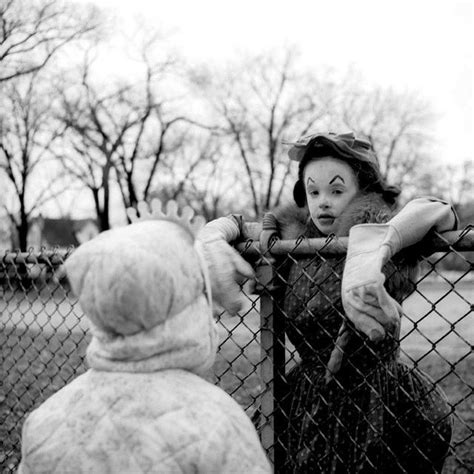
<point>43,337</point>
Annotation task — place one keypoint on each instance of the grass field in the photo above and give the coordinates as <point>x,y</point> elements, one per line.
<point>43,340</point>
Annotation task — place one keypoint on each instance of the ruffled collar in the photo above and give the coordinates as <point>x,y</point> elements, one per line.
<point>294,221</point>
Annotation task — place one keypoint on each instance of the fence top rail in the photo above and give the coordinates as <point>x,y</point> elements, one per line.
<point>454,240</point>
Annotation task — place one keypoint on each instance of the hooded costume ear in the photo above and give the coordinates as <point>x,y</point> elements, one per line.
<point>299,194</point>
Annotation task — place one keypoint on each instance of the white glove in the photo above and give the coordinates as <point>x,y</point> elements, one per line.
<point>366,301</point>
<point>227,269</point>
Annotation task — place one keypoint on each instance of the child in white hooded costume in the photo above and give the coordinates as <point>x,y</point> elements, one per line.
<point>143,405</point>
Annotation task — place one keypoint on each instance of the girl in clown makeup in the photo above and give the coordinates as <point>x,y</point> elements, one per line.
<point>351,404</point>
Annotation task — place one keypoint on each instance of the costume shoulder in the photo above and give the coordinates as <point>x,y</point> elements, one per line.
<point>365,209</point>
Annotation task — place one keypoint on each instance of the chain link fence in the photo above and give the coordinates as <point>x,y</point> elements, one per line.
<point>276,368</point>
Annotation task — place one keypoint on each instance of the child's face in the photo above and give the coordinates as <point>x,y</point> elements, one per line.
<point>330,186</point>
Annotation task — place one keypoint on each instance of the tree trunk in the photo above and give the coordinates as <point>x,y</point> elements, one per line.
<point>23,227</point>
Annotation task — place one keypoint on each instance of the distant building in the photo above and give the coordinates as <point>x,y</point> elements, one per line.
<point>47,232</point>
<point>64,232</point>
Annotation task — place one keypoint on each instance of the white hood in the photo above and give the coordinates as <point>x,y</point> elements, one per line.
<point>145,290</point>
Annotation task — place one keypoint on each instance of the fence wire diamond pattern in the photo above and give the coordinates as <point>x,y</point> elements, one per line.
<point>43,337</point>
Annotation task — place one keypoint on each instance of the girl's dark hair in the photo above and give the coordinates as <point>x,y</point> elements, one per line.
<point>368,175</point>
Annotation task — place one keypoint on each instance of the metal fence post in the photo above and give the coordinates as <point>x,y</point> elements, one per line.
<point>272,337</point>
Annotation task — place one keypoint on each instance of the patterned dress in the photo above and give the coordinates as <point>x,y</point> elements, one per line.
<point>377,415</point>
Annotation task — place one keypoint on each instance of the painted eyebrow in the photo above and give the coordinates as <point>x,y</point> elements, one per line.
<point>334,179</point>
<point>309,180</point>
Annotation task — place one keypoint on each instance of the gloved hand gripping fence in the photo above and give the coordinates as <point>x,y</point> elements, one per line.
<point>366,301</point>
<point>367,304</point>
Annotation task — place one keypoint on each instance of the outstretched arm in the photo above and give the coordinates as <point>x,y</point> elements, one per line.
<point>226,267</point>
<point>364,297</point>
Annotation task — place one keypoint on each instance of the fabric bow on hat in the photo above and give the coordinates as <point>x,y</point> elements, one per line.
<point>346,145</point>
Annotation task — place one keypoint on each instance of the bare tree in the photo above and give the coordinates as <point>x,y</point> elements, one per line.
<point>453,182</point>
<point>267,99</point>
<point>31,34</point>
<point>27,135</point>
<point>199,177</point>
<point>461,182</point>
<point>95,131</point>
<point>257,105</point>
<point>123,131</point>
<point>398,125</point>
<point>33,31</point>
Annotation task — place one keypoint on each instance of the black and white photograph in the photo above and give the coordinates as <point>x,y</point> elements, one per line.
<point>236,237</point>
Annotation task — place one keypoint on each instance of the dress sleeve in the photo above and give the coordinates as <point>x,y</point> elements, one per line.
<point>231,228</point>
<point>228,228</point>
<point>416,219</point>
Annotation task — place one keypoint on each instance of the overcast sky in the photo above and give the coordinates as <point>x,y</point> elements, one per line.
<point>426,45</point>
